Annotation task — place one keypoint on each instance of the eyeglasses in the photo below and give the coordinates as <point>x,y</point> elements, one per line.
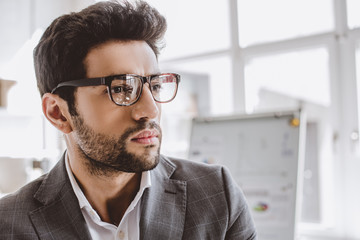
<point>126,89</point>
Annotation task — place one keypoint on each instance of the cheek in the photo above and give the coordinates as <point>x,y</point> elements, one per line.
<point>107,123</point>
<point>159,108</point>
<point>102,115</point>
<point>92,111</point>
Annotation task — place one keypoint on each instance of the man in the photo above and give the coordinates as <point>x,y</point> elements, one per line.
<point>101,86</point>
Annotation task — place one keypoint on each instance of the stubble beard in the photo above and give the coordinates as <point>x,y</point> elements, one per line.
<point>107,156</point>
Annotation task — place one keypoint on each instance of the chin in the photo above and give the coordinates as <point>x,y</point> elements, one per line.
<point>150,163</point>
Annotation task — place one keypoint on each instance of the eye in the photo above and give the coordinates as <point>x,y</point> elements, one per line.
<point>156,87</point>
<point>126,89</point>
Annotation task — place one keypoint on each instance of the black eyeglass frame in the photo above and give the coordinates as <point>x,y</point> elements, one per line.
<point>108,80</point>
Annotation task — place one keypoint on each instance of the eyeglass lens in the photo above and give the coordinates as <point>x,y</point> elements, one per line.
<point>126,91</point>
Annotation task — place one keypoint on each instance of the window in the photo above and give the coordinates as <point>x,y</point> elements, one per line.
<point>298,76</point>
<point>353,7</point>
<point>266,21</point>
<point>194,27</point>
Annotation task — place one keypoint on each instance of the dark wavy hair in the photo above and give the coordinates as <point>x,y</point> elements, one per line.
<point>60,54</point>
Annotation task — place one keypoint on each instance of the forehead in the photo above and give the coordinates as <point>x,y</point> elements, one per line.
<point>119,57</point>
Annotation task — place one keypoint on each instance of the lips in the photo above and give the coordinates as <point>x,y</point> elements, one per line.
<point>146,137</point>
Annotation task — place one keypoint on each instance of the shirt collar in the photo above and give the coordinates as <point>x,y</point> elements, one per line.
<point>145,182</point>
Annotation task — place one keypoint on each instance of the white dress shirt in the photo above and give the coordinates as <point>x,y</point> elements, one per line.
<point>128,228</point>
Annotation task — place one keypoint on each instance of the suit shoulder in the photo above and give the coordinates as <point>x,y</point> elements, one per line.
<point>209,178</point>
<point>15,209</point>
<point>187,170</point>
<point>21,197</point>
<point>213,196</point>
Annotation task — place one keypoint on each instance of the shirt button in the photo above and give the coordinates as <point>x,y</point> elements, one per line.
<point>121,235</point>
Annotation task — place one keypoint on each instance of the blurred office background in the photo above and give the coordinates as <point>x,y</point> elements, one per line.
<point>235,57</point>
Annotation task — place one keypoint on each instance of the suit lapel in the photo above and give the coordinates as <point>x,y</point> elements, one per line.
<point>163,205</point>
<point>60,216</point>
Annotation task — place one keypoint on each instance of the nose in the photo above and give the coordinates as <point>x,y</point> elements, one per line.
<point>146,107</point>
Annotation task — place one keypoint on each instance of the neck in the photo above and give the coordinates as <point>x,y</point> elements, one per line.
<point>111,195</point>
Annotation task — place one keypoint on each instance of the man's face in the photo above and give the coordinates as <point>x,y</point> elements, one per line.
<point>117,138</point>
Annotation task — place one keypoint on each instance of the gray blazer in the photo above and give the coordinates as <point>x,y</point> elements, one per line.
<point>187,200</point>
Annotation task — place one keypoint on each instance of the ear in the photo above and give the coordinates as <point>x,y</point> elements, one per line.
<point>56,111</point>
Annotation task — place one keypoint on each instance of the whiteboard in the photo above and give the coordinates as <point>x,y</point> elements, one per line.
<point>264,154</point>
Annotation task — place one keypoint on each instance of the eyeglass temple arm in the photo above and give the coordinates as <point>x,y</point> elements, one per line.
<point>81,83</point>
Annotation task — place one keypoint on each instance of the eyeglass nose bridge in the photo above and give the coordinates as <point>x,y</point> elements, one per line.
<point>145,79</point>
